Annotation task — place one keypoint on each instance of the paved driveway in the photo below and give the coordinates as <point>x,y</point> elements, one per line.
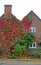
<point>20,62</point>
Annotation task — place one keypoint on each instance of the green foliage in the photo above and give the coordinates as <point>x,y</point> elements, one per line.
<point>20,45</point>
<point>23,48</point>
<point>17,40</point>
<point>19,50</point>
<point>28,38</point>
<point>30,57</point>
<point>11,56</point>
<point>37,53</point>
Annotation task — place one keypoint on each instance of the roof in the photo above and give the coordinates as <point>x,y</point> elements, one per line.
<point>31,12</point>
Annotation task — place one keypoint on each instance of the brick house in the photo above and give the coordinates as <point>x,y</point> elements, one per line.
<point>30,22</point>
<point>10,27</point>
<point>34,28</point>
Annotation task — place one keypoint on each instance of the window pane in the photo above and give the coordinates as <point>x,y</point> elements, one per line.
<point>33,45</point>
<point>31,29</point>
<point>30,45</point>
<point>34,29</point>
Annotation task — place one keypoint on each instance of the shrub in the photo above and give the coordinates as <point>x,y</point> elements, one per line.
<point>19,50</point>
<point>36,53</point>
<point>12,57</point>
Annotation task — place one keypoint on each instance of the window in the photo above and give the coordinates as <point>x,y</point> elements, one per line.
<point>30,45</point>
<point>32,29</point>
<point>33,45</point>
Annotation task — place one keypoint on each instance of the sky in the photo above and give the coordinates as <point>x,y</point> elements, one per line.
<point>21,8</point>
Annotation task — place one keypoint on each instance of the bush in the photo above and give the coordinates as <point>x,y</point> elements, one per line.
<point>19,49</point>
<point>30,57</point>
<point>36,53</point>
<point>12,57</point>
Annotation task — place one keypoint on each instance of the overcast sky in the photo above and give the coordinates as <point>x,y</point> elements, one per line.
<point>20,8</point>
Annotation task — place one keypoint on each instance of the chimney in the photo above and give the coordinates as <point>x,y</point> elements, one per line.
<point>8,10</point>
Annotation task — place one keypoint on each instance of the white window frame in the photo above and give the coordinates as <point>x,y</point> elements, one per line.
<point>32,46</point>
<point>32,29</point>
